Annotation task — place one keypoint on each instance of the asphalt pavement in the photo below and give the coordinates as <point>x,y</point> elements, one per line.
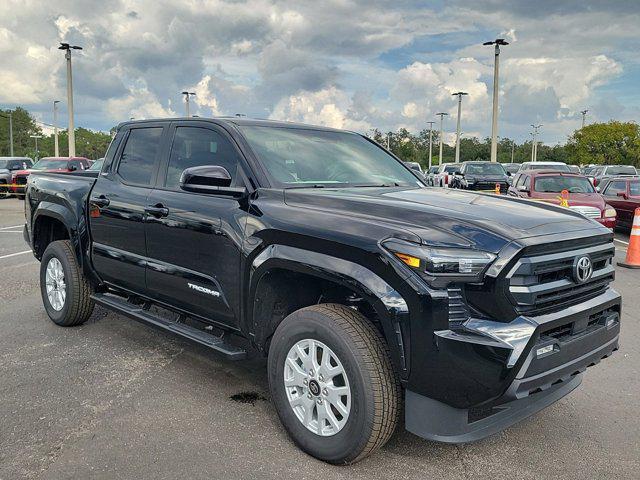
<point>115,399</point>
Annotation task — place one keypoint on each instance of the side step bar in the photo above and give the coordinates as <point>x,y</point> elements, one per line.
<point>142,314</point>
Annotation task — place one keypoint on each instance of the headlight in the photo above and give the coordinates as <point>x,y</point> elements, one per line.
<point>442,264</point>
<point>610,212</point>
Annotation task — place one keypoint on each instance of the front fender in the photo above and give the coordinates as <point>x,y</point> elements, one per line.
<point>391,308</point>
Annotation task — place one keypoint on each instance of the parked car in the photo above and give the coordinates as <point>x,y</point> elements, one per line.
<point>588,169</point>
<point>415,166</point>
<point>97,165</point>
<point>354,281</point>
<point>445,173</point>
<point>9,165</point>
<point>478,175</point>
<point>603,172</point>
<point>575,169</point>
<point>548,186</point>
<point>430,175</point>
<point>511,167</point>
<point>623,194</point>
<point>557,166</point>
<point>49,164</point>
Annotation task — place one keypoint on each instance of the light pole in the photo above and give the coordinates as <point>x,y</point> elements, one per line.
<point>584,115</point>
<point>494,119</point>
<point>55,128</point>
<point>388,141</point>
<point>513,149</point>
<point>11,133</point>
<point>460,95</point>
<point>534,145</point>
<point>71,130</point>
<point>441,115</point>
<point>36,137</point>
<point>187,95</point>
<point>430,138</point>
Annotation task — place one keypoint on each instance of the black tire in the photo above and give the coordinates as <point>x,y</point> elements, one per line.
<point>375,390</point>
<point>4,191</point>
<point>78,305</point>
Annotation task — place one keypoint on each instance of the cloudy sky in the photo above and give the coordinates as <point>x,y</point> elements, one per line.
<point>342,63</point>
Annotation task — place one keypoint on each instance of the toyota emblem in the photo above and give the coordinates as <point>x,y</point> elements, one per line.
<point>582,269</point>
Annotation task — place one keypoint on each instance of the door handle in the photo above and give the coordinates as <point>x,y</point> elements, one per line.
<point>100,201</point>
<point>158,210</point>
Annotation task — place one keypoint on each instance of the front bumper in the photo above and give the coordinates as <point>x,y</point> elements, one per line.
<point>507,371</point>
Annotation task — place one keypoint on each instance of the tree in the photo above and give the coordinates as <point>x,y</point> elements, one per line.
<point>605,143</point>
<point>89,144</point>
<point>24,125</point>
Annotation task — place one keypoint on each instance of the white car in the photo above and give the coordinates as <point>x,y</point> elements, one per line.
<point>445,174</point>
<point>557,166</point>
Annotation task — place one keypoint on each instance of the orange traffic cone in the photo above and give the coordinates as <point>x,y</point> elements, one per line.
<point>633,251</point>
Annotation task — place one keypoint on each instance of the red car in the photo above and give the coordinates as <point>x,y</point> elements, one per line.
<point>623,194</point>
<point>547,186</point>
<point>47,164</point>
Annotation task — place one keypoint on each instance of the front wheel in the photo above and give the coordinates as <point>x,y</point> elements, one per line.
<point>66,293</point>
<point>332,383</point>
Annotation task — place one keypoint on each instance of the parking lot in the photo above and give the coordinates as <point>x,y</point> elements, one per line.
<point>115,399</point>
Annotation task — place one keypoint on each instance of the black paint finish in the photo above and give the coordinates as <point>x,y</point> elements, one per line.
<point>211,255</point>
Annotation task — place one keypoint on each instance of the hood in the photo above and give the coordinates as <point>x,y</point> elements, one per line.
<point>446,217</point>
<point>575,199</point>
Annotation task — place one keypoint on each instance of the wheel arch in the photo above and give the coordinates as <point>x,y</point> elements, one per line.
<point>285,278</point>
<point>53,222</point>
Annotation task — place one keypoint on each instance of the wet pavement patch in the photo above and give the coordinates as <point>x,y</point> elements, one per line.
<point>247,397</point>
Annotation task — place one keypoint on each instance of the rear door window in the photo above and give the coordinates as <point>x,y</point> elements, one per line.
<point>140,155</point>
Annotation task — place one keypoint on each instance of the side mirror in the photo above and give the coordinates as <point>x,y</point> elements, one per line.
<point>209,179</point>
<point>508,174</point>
<point>522,188</point>
<point>73,168</point>
<point>623,195</point>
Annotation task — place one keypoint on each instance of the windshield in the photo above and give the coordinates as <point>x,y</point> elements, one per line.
<point>50,164</point>
<point>484,169</point>
<point>555,184</point>
<point>452,169</point>
<point>558,168</point>
<point>634,189</point>
<point>513,168</point>
<point>588,170</point>
<point>297,157</point>
<point>622,170</point>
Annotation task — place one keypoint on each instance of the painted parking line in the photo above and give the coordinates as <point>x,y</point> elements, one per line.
<point>11,228</point>
<point>14,254</point>
<point>621,241</point>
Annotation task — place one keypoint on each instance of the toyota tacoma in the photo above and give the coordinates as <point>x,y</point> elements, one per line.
<point>369,293</point>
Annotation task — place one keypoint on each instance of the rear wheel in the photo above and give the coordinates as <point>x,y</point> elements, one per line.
<point>332,383</point>
<point>66,293</point>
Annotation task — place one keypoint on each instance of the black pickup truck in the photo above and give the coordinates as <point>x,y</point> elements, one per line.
<point>369,293</point>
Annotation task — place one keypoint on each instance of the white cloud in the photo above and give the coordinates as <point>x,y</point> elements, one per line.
<point>328,107</point>
<point>353,64</point>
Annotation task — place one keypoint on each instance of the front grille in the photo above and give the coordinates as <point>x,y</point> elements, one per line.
<point>590,212</point>
<point>545,283</point>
